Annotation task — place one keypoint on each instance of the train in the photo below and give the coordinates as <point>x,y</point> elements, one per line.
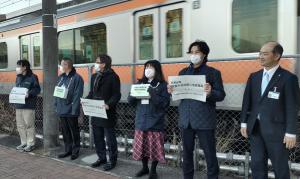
<point>134,31</point>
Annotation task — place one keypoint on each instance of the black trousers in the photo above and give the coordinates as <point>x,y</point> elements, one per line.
<point>71,136</point>
<point>100,144</point>
<point>261,150</point>
<point>208,144</point>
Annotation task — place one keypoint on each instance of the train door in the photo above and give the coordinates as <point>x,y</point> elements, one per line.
<point>159,33</point>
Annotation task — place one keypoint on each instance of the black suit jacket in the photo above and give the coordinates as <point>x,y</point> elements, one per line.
<point>277,116</point>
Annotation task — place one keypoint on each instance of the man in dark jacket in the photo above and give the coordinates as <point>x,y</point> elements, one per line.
<point>25,113</point>
<point>68,107</point>
<point>105,85</point>
<point>197,117</point>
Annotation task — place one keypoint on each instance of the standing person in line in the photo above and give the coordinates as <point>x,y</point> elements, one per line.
<point>105,85</point>
<point>68,107</point>
<point>269,114</point>
<point>149,120</point>
<point>197,117</point>
<point>25,113</point>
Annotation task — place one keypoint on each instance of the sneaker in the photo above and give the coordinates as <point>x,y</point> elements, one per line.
<point>29,148</point>
<point>21,147</point>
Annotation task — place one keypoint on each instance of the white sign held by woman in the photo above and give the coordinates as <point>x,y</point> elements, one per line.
<point>188,87</point>
<point>18,95</point>
<point>94,108</point>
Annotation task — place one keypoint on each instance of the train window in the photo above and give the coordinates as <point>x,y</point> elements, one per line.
<point>146,37</point>
<point>83,44</point>
<point>174,33</point>
<point>31,49</point>
<point>36,51</point>
<point>66,44</point>
<point>3,55</point>
<point>25,46</point>
<point>253,23</point>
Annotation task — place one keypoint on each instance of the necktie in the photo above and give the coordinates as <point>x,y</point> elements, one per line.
<point>265,82</point>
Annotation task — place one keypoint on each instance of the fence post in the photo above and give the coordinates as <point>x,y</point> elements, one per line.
<point>90,118</point>
<point>246,165</point>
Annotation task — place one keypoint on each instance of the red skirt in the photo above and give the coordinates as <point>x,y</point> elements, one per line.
<point>149,144</point>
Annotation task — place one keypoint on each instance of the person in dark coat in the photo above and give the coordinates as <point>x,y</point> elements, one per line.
<point>105,85</point>
<point>197,117</point>
<point>269,114</point>
<point>149,120</point>
<point>68,108</point>
<point>25,113</point>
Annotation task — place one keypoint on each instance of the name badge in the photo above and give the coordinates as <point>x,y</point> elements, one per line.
<point>60,92</point>
<point>273,95</point>
<point>145,101</point>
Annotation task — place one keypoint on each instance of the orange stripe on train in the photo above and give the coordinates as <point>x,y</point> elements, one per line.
<point>232,71</point>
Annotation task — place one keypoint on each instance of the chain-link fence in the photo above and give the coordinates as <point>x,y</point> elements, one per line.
<point>232,148</point>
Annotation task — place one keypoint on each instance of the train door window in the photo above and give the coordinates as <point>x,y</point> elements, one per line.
<point>253,23</point>
<point>36,41</point>
<point>65,44</point>
<point>174,35</point>
<point>3,55</point>
<point>83,44</point>
<point>146,37</point>
<point>25,46</point>
<point>31,49</point>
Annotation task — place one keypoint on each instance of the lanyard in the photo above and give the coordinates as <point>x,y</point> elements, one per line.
<point>68,84</point>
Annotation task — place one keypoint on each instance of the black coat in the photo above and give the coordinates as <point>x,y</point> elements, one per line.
<point>106,86</point>
<point>198,114</point>
<point>151,117</point>
<point>277,116</point>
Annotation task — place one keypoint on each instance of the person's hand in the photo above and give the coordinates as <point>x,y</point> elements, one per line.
<point>289,142</point>
<point>244,132</point>
<point>170,89</point>
<point>106,106</point>
<point>207,89</point>
<point>27,95</point>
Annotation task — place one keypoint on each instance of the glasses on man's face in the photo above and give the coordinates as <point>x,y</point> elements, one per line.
<point>264,53</point>
<point>194,53</point>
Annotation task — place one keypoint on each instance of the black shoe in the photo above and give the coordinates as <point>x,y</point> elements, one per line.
<point>63,155</point>
<point>74,156</point>
<point>109,166</point>
<point>142,172</point>
<point>153,175</point>
<point>98,163</point>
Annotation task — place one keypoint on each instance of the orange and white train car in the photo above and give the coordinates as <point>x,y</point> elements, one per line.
<point>133,31</point>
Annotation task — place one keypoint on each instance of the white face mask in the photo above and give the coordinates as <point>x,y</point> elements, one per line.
<point>97,67</point>
<point>149,72</point>
<point>61,69</point>
<point>196,59</point>
<point>18,70</point>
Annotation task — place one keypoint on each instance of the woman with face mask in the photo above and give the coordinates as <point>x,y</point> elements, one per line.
<point>199,118</point>
<point>105,85</point>
<point>25,113</point>
<point>149,120</point>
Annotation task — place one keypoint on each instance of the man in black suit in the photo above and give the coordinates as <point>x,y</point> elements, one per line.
<point>269,114</point>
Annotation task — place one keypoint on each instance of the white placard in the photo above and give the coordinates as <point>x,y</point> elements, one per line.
<point>18,95</point>
<point>140,90</point>
<point>93,108</point>
<point>188,87</point>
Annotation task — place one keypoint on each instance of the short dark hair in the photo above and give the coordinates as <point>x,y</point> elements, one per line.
<point>106,59</point>
<point>202,46</point>
<point>68,60</point>
<point>24,63</point>
<point>159,76</point>
<point>278,49</point>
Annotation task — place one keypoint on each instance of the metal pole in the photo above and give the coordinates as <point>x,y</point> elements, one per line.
<point>50,62</point>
